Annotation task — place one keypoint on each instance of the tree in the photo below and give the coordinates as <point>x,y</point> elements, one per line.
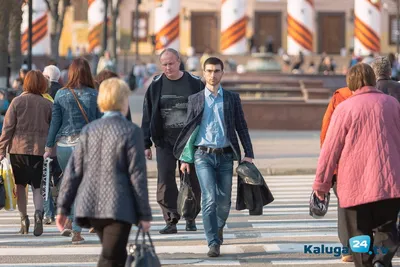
<point>14,45</point>
<point>4,32</point>
<point>57,9</point>
<point>114,10</point>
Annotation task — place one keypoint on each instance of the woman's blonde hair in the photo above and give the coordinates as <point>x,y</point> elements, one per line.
<point>360,75</point>
<point>112,94</point>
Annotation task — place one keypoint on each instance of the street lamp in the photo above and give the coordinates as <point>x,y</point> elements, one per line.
<point>30,35</point>
<point>397,2</point>
<point>397,26</point>
<point>105,26</point>
<point>138,2</point>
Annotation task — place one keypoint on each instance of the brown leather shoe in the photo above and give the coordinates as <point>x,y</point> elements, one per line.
<point>24,225</point>
<point>347,258</point>
<point>77,238</point>
<point>67,229</point>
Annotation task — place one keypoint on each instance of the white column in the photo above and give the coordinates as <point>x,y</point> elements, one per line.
<point>40,28</point>
<point>367,26</point>
<point>167,24</point>
<point>300,20</point>
<point>96,11</point>
<point>233,27</point>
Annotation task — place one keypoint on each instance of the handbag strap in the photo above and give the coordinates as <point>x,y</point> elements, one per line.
<point>151,241</point>
<point>79,105</point>
<point>186,178</point>
<point>143,237</point>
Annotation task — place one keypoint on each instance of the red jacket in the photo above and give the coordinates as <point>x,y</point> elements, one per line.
<point>339,96</point>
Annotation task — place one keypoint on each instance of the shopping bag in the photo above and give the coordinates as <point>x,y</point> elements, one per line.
<point>141,254</point>
<point>9,185</point>
<point>2,193</point>
<point>187,202</point>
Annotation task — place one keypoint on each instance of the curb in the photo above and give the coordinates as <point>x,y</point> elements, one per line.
<point>264,171</point>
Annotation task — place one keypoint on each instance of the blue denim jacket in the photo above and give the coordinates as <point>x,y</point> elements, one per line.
<point>67,118</point>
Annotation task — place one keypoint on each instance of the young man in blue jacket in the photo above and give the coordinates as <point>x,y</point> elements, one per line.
<point>214,117</point>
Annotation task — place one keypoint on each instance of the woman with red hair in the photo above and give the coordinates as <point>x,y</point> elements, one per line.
<point>24,135</point>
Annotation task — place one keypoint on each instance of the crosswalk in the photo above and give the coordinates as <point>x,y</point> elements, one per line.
<point>277,237</point>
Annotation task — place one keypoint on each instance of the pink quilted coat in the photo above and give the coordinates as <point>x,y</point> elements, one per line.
<point>363,138</point>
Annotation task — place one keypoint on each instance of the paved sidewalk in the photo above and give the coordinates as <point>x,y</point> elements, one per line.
<point>276,152</point>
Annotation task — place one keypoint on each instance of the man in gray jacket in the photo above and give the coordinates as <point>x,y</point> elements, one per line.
<point>383,71</point>
<point>164,114</point>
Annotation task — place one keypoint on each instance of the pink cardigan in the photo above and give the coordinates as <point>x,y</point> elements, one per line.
<point>363,138</point>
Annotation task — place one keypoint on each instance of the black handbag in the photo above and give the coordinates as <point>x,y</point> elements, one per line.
<point>142,254</point>
<point>2,191</point>
<point>318,208</point>
<point>187,202</point>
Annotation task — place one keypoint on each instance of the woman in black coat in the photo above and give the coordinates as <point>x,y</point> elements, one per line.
<point>107,176</point>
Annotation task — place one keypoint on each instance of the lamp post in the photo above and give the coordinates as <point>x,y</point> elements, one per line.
<point>397,27</point>
<point>105,26</point>
<point>30,34</point>
<point>138,2</point>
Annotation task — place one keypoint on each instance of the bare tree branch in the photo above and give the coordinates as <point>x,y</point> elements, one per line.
<point>48,5</point>
<point>118,3</point>
<point>60,24</point>
<point>57,13</point>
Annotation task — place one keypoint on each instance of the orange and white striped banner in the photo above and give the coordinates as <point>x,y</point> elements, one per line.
<point>96,20</point>
<point>300,26</point>
<point>233,27</point>
<point>40,32</point>
<point>167,23</point>
<point>367,27</point>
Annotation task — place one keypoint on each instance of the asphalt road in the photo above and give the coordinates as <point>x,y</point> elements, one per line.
<point>277,237</point>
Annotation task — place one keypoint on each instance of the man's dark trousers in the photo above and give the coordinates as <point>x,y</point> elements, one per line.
<point>167,190</point>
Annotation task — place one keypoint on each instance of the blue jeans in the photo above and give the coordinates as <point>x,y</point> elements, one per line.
<point>63,155</point>
<point>49,209</point>
<point>215,177</point>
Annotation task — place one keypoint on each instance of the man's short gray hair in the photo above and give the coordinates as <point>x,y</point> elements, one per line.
<point>381,67</point>
<point>173,51</point>
<point>52,72</point>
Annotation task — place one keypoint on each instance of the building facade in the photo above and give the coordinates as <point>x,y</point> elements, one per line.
<point>226,26</point>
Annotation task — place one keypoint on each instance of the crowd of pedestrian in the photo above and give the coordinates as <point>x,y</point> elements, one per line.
<point>50,120</point>
<point>84,125</point>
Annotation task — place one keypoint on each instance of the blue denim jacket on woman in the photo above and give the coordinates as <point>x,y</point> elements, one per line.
<point>67,118</point>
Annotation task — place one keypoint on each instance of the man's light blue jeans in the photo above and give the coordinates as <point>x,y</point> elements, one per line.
<point>214,172</point>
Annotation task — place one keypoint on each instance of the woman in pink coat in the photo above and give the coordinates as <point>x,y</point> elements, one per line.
<point>363,141</point>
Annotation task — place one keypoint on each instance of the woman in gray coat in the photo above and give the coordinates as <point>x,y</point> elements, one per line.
<point>107,176</point>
